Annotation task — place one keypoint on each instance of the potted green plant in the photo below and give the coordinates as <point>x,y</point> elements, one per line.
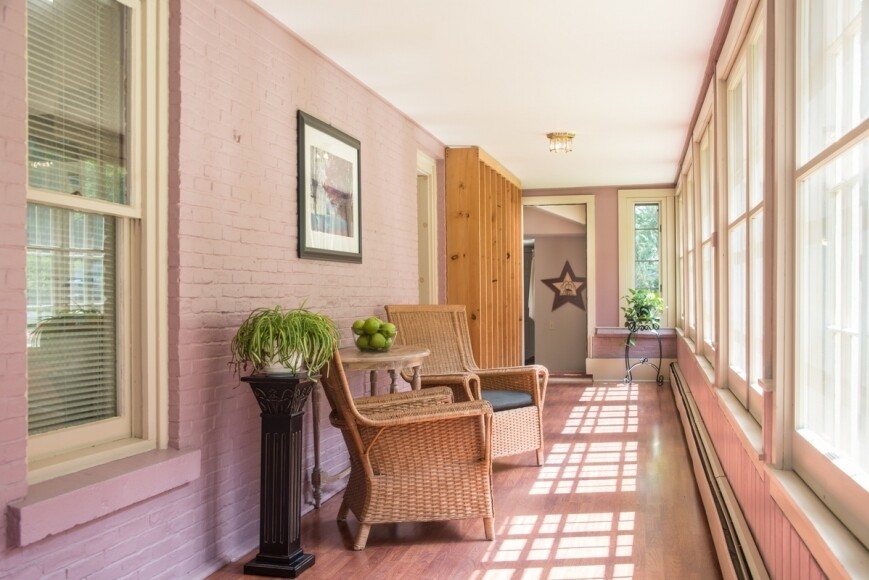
<point>643,310</point>
<point>274,340</point>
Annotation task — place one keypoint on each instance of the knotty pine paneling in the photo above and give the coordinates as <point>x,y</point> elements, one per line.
<point>484,259</point>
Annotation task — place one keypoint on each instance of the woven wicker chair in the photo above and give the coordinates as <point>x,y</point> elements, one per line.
<point>414,456</point>
<point>516,393</point>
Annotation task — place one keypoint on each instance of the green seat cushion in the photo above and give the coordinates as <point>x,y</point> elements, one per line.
<point>506,400</point>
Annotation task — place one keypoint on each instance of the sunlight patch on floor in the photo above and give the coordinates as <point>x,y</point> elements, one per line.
<point>572,543</point>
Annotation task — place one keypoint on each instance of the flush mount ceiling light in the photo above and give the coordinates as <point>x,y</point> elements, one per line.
<point>560,142</point>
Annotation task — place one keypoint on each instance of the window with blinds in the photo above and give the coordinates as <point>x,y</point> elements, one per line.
<point>77,97</point>
<point>78,108</point>
<point>72,353</point>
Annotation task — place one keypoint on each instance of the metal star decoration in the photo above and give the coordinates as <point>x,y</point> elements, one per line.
<point>568,288</point>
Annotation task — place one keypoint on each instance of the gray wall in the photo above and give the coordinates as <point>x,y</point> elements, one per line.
<point>561,334</point>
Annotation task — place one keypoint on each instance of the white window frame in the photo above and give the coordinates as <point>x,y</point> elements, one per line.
<point>689,237</point>
<point>748,393</point>
<point>706,198</point>
<point>844,496</point>
<point>628,200</point>
<point>679,219</point>
<point>142,277</point>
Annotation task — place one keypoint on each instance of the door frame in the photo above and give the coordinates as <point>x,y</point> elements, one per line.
<point>591,254</point>
<point>427,228</point>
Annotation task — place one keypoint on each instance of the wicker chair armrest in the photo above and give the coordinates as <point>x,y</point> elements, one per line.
<point>531,379</point>
<point>428,443</point>
<point>408,416</point>
<point>432,396</point>
<point>465,386</point>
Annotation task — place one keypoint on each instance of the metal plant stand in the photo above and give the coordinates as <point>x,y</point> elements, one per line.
<point>629,368</point>
<point>282,401</point>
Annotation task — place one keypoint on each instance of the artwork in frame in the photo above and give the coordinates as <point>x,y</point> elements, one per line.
<point>330,210</point>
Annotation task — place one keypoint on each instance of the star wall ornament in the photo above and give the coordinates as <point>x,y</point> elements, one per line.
<point>568,288</point>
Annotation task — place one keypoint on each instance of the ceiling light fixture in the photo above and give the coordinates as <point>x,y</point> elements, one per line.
<point>561,142</point>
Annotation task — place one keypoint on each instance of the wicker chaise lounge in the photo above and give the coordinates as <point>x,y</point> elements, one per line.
<point>516,393</point>
<point>415,456</point>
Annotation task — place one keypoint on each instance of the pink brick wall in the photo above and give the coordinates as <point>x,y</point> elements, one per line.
<point>237,79</point>
<point>13,405</point>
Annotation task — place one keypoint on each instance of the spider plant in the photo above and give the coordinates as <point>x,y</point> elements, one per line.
<point>287,339</point>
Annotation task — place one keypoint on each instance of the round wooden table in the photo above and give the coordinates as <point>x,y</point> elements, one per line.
<point>397,358</point>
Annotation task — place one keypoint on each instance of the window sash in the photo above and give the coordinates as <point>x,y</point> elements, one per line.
<point>831,342</point>
<point>80,164</point>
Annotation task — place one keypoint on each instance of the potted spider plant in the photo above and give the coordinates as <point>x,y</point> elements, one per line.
<point>643,310</point>
<point>277,345</point>
<point>278,341</point>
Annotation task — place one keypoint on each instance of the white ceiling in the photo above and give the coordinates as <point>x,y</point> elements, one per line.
<point>624,75</point>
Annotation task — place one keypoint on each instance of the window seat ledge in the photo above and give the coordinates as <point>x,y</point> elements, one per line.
<point>60,504</point>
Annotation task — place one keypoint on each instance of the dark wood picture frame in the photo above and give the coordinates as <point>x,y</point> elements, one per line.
<point>330,196</point>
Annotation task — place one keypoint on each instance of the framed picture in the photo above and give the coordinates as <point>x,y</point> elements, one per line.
<point>330,208</point>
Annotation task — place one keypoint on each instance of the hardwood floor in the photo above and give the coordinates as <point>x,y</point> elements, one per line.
<point>616,499</point>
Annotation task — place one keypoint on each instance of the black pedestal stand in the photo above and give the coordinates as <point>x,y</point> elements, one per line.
<point>282,400</point>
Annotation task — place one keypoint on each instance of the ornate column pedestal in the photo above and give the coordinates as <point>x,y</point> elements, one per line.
<point>282,401</point>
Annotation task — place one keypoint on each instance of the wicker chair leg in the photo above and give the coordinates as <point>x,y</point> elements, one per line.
<point>489,525</point>
<point>342,511</point>
<point>361,537</point>
<point>540,457</point>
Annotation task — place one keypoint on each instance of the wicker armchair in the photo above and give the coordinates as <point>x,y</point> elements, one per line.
<point>414,456</point>
<point>516,393</point>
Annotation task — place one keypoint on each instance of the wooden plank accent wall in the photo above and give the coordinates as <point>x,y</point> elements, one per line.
<point>484,253</point>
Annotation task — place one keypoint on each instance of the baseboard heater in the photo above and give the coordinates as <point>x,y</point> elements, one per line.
<point>738,555</point>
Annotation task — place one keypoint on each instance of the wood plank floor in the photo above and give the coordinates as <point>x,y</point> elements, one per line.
<point>616,499</point>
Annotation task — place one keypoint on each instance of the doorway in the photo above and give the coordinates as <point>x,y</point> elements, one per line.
<point>558,235</point>
<point>426,205</point>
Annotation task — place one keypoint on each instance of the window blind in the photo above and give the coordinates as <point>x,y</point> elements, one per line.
<point>77,96</point>
<point>72,352</point>
<point>78,107</point>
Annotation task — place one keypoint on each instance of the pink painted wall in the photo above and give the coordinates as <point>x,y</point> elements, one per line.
<point>783,552</point>
<point>237,79</point>
<point>13,404</point>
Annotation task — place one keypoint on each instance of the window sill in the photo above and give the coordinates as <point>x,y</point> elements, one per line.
<point>837,551</point>
<point>620,331</point>
<point>60,504</point>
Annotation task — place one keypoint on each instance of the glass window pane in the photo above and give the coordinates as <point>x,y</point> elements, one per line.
<point>707,212</point>
<point>647,246</point>
<point>692,305</point>
<point>736,173</point>
<point>756,114</point>
<point>834,72</point>
<point>737,294</point>
<point>708,295</point>
<point>71,353</point>
<point>832,319</point>
<point>78,98</point>
<point>755,285</point>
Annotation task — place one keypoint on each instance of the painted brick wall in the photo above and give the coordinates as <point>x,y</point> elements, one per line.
<point>237,79</point>
<point>13,405</point>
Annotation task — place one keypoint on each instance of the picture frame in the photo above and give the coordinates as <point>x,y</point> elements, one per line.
<point>329,188</point>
